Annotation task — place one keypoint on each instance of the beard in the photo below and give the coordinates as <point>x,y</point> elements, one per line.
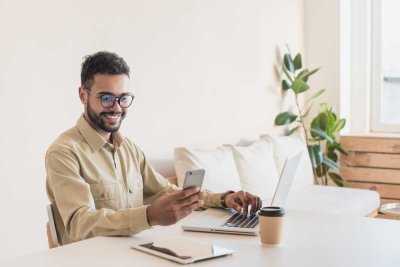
<point>99,121</point>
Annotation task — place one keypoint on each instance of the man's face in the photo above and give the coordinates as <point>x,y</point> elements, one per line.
<point>105,120</point>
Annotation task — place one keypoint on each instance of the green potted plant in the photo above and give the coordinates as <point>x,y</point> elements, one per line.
<point>320,135</point>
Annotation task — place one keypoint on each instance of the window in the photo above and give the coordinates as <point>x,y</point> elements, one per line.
<point>385,66</point>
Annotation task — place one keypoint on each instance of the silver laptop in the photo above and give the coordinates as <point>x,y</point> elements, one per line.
<point>229,221</point>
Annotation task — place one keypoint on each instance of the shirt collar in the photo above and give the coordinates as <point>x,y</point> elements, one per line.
<point>93,138</point>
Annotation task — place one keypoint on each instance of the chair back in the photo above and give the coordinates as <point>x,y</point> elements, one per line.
<point>52,236</point>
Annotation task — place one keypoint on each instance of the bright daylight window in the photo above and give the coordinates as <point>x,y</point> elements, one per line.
<point>385,66</point>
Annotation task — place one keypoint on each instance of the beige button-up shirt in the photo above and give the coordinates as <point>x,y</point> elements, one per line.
<point>100,188</point>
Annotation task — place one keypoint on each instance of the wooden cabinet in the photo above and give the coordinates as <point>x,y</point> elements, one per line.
<point>373,163</point>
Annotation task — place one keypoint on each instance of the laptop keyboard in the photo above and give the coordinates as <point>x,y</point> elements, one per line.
<point>242,221</point>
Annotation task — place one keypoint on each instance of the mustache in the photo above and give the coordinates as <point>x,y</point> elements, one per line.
<point>112,113</point>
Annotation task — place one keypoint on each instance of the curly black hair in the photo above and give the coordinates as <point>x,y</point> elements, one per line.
<point>102,62</point>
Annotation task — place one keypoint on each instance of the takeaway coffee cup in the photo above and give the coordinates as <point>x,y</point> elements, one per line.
<point>271,221</point>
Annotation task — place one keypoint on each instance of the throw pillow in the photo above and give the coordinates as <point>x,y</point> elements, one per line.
<point>256,168</point>
<point>288,145</point>
<point>221,174</point>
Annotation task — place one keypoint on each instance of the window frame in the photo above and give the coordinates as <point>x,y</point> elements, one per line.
<point>376,73</point>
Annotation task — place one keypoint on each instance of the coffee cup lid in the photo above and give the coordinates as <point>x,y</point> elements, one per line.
<point>272,211</point>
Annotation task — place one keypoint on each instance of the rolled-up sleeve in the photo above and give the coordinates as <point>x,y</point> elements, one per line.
<point>156,185</point>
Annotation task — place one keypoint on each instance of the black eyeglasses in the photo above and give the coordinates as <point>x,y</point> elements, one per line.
<point>108,100</point>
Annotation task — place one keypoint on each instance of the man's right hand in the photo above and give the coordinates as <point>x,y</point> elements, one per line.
<point>172,207</point>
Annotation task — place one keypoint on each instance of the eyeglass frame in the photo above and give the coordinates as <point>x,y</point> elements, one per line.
<point>116,98</point>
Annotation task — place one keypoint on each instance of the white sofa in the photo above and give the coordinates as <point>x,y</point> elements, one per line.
<point>255,168</point>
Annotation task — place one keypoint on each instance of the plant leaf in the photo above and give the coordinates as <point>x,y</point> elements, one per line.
<point>339,147</point>
<point>313,71</point>
<point>314,96</point>
<point>293,130</point>
<point>307,74</point>
<point>315,153</point>
<point>321,134</point>
<point>312,157</point>
<point>288,48</point>
<point>285,118</point>
<point>329,163</point>
<point>299,86</point>
<point>308,110</point>
<point>339,125</point>
<point>321,170</point>
<point>285,85</point>
<point>301,73</point>
<point>288,62</point>
<point>297,62</point>
<point>285,70</point>
<point>318,153</point>
<point>332,109</point>
<point>333,156</point>
<point>319,122</point>
<point>330,125</point>
<point>337,179</point>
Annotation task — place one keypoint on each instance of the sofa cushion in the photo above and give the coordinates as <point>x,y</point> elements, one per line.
<point>256,167</point>
<point>334,200</point>
<point>221,174</point>
<point>285,146</point>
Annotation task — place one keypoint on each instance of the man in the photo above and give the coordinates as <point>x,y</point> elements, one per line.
<point>100,182</point>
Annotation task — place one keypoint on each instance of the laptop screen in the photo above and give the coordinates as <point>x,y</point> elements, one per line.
<point>286,179</point>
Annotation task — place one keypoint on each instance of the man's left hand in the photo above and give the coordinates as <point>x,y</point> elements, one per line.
<point>241,200</point>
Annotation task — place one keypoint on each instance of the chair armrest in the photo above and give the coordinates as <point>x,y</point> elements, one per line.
<point>50,237</point>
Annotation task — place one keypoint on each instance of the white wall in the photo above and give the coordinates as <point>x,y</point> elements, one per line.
<point>359,45</point>
<point>322,46</point>
<point>337,38</point>
<point>203,75</point>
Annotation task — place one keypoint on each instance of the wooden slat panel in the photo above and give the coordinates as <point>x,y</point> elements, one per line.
<point>371,144</point>
<point>374,163</point>
<point>365,159</point>
<point>389,200</point>
<point>370,175</point>
<point>385,190</point>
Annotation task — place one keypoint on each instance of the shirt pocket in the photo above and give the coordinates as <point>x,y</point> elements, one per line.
<point>135,188</point>
<point>106,195</point>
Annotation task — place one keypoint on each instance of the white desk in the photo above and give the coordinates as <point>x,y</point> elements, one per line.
<point>309,240</point>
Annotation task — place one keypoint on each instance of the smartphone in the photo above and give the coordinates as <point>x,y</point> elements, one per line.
<point>193,178</point>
